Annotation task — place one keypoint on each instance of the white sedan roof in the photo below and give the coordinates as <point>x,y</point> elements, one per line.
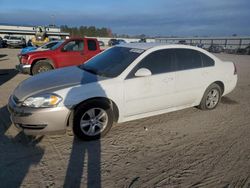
<point>146,46</point>
<point>150,45</point>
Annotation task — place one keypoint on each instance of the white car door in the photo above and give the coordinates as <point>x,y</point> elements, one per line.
<point>190,80</point>
<point>150,93</point>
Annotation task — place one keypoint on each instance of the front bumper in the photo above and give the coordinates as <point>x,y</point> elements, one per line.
<point>25,69</point>
<point>16,45</point>
<point>35,121</point>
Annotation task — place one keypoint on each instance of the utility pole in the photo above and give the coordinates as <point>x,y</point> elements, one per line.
<point>53,20</point>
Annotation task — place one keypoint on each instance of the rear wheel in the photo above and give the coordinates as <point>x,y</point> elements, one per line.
<point>211,97</point>
<point>41,66</point>
<point>92,120</point>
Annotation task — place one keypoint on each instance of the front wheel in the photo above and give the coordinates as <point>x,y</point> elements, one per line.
<point>211,97</point>
<point>92,120</point>
<point>41,66</point>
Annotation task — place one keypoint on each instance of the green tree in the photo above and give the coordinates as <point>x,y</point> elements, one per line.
<point>90,31</point>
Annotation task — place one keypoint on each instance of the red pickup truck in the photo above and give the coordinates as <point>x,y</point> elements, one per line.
<point>74,51</point>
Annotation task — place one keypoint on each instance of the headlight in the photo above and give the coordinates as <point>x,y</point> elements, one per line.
<point>43,101</point>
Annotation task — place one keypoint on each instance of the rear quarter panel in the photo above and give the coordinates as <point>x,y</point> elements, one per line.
<point>227,75</point>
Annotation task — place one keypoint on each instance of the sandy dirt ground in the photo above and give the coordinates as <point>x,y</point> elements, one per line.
<point>188,148</point>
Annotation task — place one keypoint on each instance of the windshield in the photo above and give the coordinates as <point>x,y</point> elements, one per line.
<point>112,62</point>
<point>56,45</point>
<point>48,45</point>
<point>16,38</point>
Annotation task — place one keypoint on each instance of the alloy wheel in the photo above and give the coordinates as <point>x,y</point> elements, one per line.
<point>94,121</point>
<point>212,98</point>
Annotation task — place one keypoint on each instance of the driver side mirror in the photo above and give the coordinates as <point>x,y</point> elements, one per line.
<point>143,72</point>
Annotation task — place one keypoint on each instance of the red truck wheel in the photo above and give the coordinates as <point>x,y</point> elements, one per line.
<point>41,66</point>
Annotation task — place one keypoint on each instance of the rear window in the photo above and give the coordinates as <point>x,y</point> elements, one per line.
<point>207,61</point>
<point>92,45</point>
<point>188,59</point>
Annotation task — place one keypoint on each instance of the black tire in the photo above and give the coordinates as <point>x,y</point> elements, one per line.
<point>80,114</point>
<point>41,66</point>
<point>204,104</point>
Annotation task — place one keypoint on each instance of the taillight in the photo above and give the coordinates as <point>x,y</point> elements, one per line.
<point>235,69</point>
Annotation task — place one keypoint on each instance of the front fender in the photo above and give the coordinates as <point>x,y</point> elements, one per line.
<point>36,59</point>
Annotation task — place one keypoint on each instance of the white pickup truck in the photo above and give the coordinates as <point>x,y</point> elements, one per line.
<point>14,41</point>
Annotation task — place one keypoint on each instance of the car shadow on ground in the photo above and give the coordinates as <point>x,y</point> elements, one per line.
<point>17,154</point>
<point>227,100</point>
<point>85,157</point>
<point>4,59</point>
<point>7,74</point>
<point>3,55</point>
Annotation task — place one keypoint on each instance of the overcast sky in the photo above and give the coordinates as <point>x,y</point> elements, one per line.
<point>150,17</point>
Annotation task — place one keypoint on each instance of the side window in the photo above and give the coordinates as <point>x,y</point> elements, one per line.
<point>74,45</point>
<point>92,45</point>
<point>188,59</point>
<point>207,61</point>
<point>157,62</point>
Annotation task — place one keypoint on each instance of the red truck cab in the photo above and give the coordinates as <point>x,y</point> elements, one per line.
<point>71,52</point>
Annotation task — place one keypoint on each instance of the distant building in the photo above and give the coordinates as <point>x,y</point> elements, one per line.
<point>28,32</point>
<point>233,42</point>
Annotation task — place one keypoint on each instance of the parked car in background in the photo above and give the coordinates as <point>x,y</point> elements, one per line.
<point>230,50</point>
<point>123,83</point>
<point>243,51</point>
<point>46,46</point>
<point>101,43</point>
<point>200,45</point>
<point>2,43</point>
<point>214,48</point>
<point>121,41</point>
<point>6,38</point>
<point>182,42</point>
<point>15,41</point>
<point>113,42</point>
<point>142,40</point>
<point>74,51</point>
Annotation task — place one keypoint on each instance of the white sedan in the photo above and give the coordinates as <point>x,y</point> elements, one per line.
<point>123,83</point>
